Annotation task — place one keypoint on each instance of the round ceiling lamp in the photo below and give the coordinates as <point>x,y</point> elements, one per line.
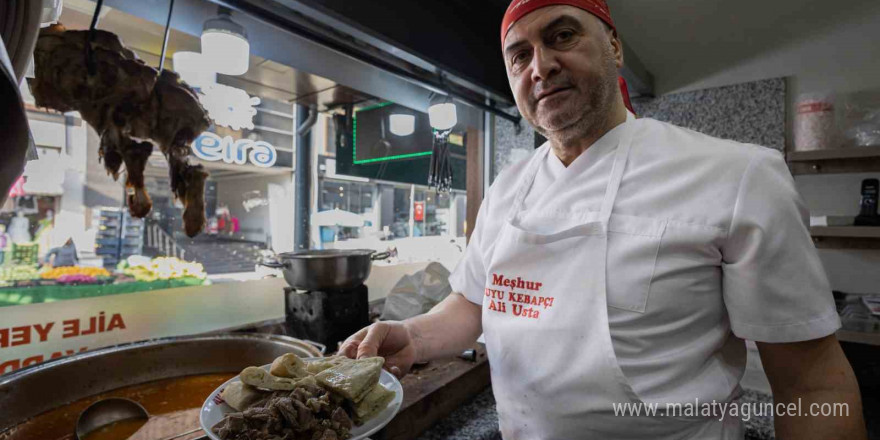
<point>442,115</point>
<point>402,124</point>
<point>225,45</point>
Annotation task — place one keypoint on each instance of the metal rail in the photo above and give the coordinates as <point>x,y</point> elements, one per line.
<point>156,238</point>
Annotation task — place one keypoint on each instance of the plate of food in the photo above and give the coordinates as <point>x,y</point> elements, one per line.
<point>332,398</point>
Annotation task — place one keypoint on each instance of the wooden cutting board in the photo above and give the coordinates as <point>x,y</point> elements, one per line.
<point>433,391</point>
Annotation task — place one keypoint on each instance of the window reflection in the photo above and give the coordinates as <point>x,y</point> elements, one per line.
<point>67,196</point>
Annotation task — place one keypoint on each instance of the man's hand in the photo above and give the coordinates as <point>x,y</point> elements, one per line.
<point>818,373</point>
<point>449,328</point>
<point>389,339</point>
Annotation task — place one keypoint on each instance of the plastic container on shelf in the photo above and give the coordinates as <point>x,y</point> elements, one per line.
<point>814,123</point>
<point>854,316</point>
<point>860,118</point>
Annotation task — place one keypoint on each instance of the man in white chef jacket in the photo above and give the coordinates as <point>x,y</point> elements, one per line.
<point>626,261</point>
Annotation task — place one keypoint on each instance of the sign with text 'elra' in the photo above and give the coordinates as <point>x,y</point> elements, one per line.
<point>211,147</point>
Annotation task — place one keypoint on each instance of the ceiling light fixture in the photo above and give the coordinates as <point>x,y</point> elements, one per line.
<point>193,69</point>
<point>225,44</point>
<point>442,113</point>
<point>402,124</point>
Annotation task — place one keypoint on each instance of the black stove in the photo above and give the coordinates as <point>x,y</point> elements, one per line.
<point>326,316</point>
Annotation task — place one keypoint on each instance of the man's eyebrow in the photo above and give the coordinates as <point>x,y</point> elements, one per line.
<point>510,49</point>
<point>563,20</point>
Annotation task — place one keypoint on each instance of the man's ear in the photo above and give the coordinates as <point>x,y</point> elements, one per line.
<point>617,47</point>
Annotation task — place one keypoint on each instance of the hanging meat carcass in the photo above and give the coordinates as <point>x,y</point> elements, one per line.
<point>128,103</point>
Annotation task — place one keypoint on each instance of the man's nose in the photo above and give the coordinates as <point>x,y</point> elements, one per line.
<point>544,64</point>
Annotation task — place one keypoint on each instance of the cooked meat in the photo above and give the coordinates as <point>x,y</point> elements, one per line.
<point>284,405</point>
<point>318,404</point>
<point>194,200</point>
<point>341,418</point>
<point>231,426</point>
<point>306,413</point>
<point>266,419</point>
<point>63,81</point>
<point>135,155</point>
<point>328,434</point>
<point>180,118</point>
<point>298,416</point>
<point>110,154</point>
<point>122,98</point>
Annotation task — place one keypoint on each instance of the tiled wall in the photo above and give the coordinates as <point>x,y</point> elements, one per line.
<point>751,112</point>
<point>510,146</point>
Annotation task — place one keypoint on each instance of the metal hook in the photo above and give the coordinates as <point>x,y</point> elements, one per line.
<point>165,39</point>
<point>90,61</point>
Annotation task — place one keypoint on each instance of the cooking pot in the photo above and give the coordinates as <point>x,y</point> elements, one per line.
<point>33,390</point>
<point>330,269</point>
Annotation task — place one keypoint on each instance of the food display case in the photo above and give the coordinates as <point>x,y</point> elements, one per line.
<point>30,284</point>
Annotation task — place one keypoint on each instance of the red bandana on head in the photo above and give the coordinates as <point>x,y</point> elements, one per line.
<point>520,8</point>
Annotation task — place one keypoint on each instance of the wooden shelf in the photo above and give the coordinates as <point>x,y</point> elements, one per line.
<point>858,337</point>
<point>846,231</point>
<point>840,160</point>
<point>846,237</point>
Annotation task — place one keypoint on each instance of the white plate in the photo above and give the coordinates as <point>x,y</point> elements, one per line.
<point>214,408</point>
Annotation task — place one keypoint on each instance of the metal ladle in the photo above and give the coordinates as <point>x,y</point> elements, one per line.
<point>107,411</point>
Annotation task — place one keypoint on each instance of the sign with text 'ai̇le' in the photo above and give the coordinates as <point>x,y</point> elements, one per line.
<point>35,333</point>
<point>211,147</point>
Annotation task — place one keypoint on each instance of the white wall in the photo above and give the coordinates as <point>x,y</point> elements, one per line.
<point>71,220</point>
<point>843,58</point>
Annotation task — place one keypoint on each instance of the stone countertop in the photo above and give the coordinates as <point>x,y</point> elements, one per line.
<point>478,420</point>
<point>475,420</point>
<point>758,427</point>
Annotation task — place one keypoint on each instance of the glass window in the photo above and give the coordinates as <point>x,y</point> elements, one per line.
<point>346,196</point>
<point>438,214</point>
<point>399,226</point>
<point>66,234</point>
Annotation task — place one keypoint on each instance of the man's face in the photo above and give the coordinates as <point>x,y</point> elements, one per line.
<point>562,67</point>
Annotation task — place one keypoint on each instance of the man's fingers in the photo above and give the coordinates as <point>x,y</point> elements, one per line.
<point>369,347</point>
<point>396,372</point>
<point>397,365</point>
<point>349,349</point>
<point>350,346</point>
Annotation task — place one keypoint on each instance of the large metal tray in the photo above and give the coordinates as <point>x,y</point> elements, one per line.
<point>34,390</point>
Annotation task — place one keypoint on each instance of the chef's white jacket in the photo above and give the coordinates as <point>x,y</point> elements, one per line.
<point>708,246</point>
